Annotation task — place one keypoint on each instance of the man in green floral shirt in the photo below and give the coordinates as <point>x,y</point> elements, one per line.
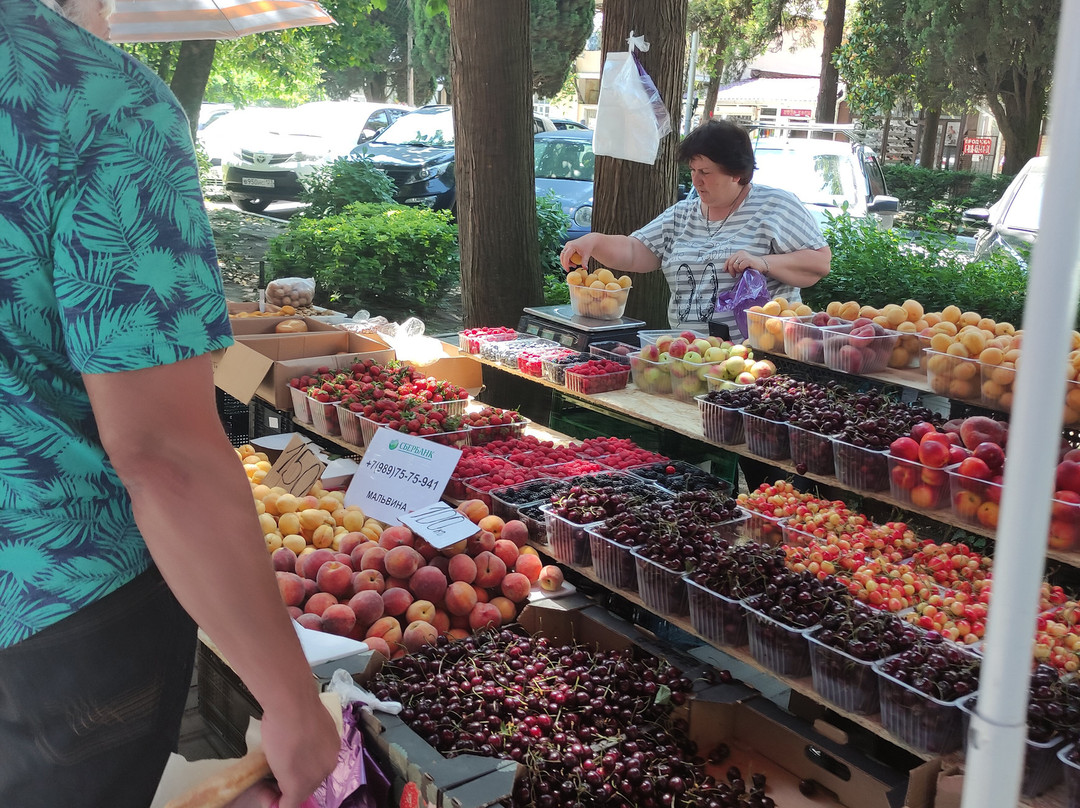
<point>113,463</point>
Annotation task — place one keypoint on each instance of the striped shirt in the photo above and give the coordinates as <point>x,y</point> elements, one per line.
<point>692,259</point>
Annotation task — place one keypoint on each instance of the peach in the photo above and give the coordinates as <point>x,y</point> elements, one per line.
<point>529,565</point>
<point>528,550</point>
<point>428,551</point>
<point>457,633</point>
<point>338,619</point>
<point>388,628</point>
<point>515,531</point>
<point>507,551</point>
<point>291,587</point>
<point>310,563</point>
<point>515,586</point>
<point>492,523</point>
<point>319,603</point>
<point>490,570</point>
<point>283,559</point>
<point>368,579</point>
<point>396,583</point>
<point>311,621</point>
<point>374,559</point>
<point>484,615</point>
<point>397,601</point>
<point>294,612</point>
<point>457,548</point>
<point>428,583</point>
<point>397,536</point>
<point>402,561</point>
<point>473,509</point>
<point>441,563</point>
<point>418,634</point>
<point>551,578</point>
<point>420,610</point>
<point>377,644</point>
<point>506,608</point>
<point>357,553</point>
<point>335,578</point>
<point>482,595</point>
<point>484,541</point>
<point>368,606</point>
<point>441,621</point>
<point>350,541</point>
<point>459,621</point>
<point>344,558</point>
<point>460,598</point>
<point>462,568</point>
<point>310,587</point>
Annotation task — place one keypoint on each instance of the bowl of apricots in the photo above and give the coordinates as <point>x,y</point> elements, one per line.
<point>599,295</point>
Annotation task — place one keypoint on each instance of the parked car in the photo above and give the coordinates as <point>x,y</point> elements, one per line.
<point>563,162</point>
<point>210,112</point>
<point>221,136</point>
<point>417,153</point>
<point>825,174</point>
<point>270,163</point>
<point>1012,223</point>
<point>566,123</point>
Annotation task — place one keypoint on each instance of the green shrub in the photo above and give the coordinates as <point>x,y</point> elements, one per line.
<point>372,256</point>
<point>875,267</point>
<point>934,200</point>
<point>329,189</point>
<point>552,224</point>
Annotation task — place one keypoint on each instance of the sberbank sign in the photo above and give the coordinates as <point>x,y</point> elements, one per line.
<point>412,449</point>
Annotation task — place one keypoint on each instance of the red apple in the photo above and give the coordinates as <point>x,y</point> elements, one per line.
<point>991,454</point>
<point>905,449</point>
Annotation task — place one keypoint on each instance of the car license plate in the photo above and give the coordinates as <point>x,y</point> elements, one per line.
<point>257,182</point>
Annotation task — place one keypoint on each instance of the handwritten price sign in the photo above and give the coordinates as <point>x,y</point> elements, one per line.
<point>400,474</point>
<point>296,469</point>
<point>440,525</point>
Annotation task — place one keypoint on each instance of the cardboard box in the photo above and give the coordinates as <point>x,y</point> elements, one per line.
<point>262,365</point>
<point>456,367</point>
<point>239,308</point>
<point>250,326</point>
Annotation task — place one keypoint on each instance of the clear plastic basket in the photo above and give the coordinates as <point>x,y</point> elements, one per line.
<point>569,541</point>
<point>849,683</point>
<point>662,589</point>
<point>613,562</point>
<point>719,619</point>
<point>919,720</point>
<point>781,648</point>
<point>723,425</point>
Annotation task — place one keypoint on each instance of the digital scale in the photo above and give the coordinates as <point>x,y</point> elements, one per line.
<point>560,324</point>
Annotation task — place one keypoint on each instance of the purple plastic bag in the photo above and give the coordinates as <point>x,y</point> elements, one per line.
<point>357,781</point>
<point>751,290</point>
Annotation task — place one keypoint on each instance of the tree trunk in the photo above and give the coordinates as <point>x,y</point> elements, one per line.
<point>834,33</point>
<point>1019,117</point>
<point>928,147</point>
<point>493,133</point>
<point>626,194</point>
<point>712,92</point>
<point>190,77</point>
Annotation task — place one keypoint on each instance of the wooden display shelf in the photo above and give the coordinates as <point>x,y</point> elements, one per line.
<point>685,419</point>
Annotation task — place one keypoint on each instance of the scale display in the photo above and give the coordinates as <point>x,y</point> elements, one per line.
<point>561,325</point>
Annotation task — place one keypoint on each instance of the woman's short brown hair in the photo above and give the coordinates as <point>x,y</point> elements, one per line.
<point>725,143</point>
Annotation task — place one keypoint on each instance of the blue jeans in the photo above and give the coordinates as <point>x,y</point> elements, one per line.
<point>90,707</point>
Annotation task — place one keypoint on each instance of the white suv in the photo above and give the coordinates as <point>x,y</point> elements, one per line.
<point>1012,223</point>
<point>268,165</point>
<point>825,174</point>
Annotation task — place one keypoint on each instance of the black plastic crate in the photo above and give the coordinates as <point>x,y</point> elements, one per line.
<point>265,420</point>
<point>224,702</point>
<point>235,417</point>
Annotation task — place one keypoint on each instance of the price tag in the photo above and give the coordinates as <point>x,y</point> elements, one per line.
<point>400,474</point>
<point>440,525</point>
<point>296,470</point>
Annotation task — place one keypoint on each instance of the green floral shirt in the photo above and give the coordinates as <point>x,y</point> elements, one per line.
<point>107,264</point>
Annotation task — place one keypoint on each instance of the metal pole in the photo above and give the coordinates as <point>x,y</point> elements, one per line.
<point>998,729</point>
<point>690,82</point>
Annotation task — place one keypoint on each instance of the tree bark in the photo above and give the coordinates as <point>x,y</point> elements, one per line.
<point>626,194</point>
<point>834,33</point>
<point>1019,117</point>
<point>712,92</point>
<point>928,147</point>
<point>190,76</point>
<point>493,133</point>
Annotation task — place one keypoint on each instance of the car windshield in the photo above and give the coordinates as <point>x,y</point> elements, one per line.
<point>420,129</point>
<point>817,179</point>
<point>563,159</point>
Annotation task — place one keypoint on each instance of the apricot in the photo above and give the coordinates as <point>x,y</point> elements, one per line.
<point>267,523</point>
<point>287,503</point>
<point>289,523</point>
<point>273,541</point>
<point>833,308</point>
<point>869,312</point>
<point>322,536</point>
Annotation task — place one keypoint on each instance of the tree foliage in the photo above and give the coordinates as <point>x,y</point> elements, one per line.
<point>558,30</point>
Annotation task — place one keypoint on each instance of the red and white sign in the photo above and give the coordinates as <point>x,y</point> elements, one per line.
<point>977,145</point>
<point>795,113</point>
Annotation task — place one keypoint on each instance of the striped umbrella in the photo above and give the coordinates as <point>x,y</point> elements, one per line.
<point>172,20</point>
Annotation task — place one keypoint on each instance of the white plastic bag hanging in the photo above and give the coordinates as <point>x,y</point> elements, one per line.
<point>630,116</point>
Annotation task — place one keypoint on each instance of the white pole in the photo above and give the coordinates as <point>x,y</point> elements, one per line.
<point>690,83</point>
<point>999,727</point>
